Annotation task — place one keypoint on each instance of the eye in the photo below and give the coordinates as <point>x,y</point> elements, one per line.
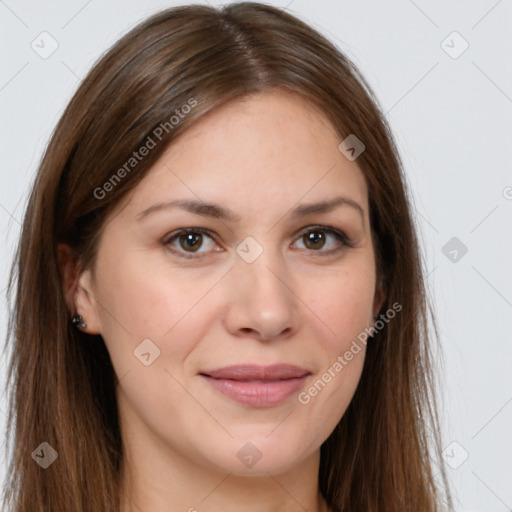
<point>188,241</point>
<point>316,238</point>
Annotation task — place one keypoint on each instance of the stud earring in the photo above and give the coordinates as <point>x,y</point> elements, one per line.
<point>78,321</point>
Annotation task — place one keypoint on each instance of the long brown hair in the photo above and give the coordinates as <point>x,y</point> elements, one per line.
<point>381,455</point>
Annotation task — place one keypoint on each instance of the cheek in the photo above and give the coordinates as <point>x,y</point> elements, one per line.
<point>344,303</point>
<point>143,298</point>
<point>147,297</point>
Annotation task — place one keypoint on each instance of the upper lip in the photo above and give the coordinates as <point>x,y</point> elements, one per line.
<point>247,372</point>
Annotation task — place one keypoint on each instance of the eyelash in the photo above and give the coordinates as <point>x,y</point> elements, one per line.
<point>339,235</point>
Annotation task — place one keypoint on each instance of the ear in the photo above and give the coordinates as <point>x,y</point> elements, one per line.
<point>78,289</point>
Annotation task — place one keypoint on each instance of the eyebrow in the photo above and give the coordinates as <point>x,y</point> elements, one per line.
<point>219,212</point>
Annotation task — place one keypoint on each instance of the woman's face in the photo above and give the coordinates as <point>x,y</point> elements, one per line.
<point>256,283</point>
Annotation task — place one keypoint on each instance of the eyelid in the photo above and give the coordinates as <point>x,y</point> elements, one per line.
<point>184,231</point>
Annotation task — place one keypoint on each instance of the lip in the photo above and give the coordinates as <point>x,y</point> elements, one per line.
<point>255,385</point>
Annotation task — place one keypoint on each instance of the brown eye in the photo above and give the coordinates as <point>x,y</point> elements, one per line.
<point>330,239</point>
<point>314,240</point>
<point>191,241</point>
<point>188,242</point>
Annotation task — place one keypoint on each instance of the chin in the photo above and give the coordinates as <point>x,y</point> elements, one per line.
<point>259,455</point>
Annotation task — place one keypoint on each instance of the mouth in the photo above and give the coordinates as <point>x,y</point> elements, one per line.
<point>257,386</point>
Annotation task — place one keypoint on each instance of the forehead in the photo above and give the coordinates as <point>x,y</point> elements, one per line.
<point>270,149</point>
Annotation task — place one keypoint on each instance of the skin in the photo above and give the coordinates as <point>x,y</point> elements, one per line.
<point>299,302</point>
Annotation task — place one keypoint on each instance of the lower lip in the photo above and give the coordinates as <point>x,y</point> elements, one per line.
<point>257,393</point>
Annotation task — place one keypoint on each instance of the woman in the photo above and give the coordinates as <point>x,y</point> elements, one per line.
<point>219,295</point>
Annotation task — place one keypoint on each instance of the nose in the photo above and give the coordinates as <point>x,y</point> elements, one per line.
<point>261,300</point>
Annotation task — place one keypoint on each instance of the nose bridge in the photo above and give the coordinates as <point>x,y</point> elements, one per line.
<point>261,298</point>
<point>260,268</point>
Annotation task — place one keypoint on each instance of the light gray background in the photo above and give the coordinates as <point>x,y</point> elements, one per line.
<point>452,118</point>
